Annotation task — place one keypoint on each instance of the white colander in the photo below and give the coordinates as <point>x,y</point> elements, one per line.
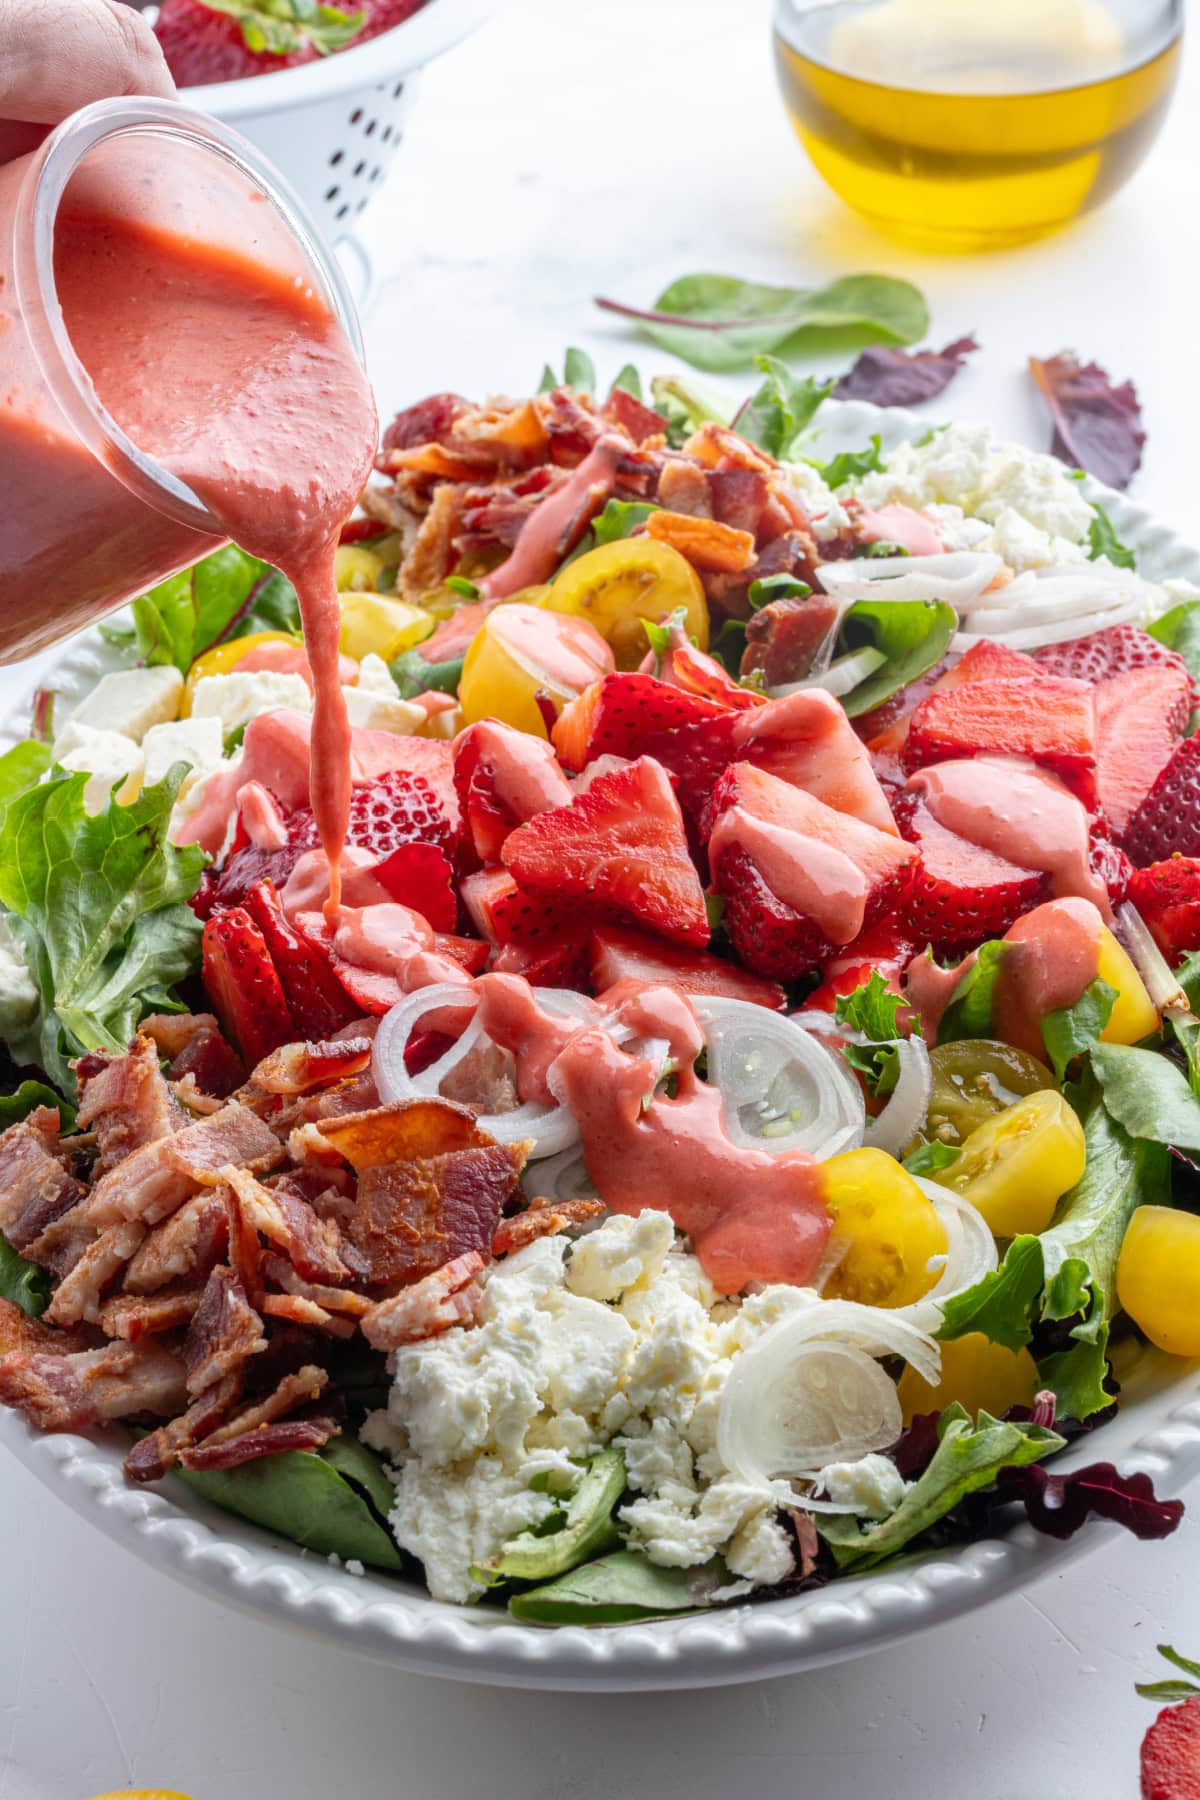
<point>334,126</point>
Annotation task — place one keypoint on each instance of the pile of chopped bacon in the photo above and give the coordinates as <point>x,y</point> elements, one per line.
<point>210,1244</point>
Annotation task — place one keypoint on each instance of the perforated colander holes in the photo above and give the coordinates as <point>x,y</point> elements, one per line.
<point>344,193</point>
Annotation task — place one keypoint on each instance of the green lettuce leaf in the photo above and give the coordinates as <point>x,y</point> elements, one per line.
<point>588,1528</point>
<point>29,1096</point>
<point>618,519</point>
<point>1148,1095</point>
<point>99,904</point>
<point>912,635</point>
<point>850,465</point>
<point>227,593</point>
<point>627,379</point>
<point>1103,541</point>
<point>24,1283</point>
<point>969,1014</point>
<point>931,1158</point>
<point>22,767</point>
<point>332,1501</point>
<point>781,408</point>
<point>616,1588</point>
<point>1071,1031</point>
<point>969,1456</point>
<point>873,1010</point>
<point>721,322</point>
<point>685,407</point>
<point>413,675</point>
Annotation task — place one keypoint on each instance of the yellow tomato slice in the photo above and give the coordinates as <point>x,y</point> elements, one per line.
<point>223,658</point>
<point>885,1231</point>
<point>357,568</point>
<point>520,651</point>
<point>376,622</point>
<point>976,1373</point>
<point>618,585</point>
<point>1158,1277</point>
<point>1133,1013</point>
<point>1017,1165</point>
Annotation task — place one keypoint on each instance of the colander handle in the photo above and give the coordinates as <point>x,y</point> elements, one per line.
<point>358,266</point>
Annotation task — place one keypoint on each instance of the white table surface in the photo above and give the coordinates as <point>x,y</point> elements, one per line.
<point>570,150</point>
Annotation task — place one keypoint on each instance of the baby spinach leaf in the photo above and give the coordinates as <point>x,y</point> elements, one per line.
<point>781,408</point>
<point>32,1094</point>
<point>1148,1095</point>
<point>1071,1031</point>
<point>326,1501</point>
<point>616,1588</point>
<point>579,371</point>
<point>22,767</point>
<point>969,1014</point>
<point>969,1456</point>
<point>1103,541</point>
<point>619,519</point>
<point>850,465</point>
<point>760,593</point>
<point>628,379</point>
<point>931,1158</point>
<point>721,322</point>
<point>413,675</point>
<point>588,1528</point>
<point>24,1283</point>
<point>912,635</point>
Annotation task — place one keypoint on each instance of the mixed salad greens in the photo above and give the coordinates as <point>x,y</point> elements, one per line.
<point>629,797</point>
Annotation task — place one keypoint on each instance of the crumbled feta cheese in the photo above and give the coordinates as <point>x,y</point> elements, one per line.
<point>828,515</point>
<point>18,990</point>
<point>873,1485</point>
<point>236,698</point>
<point>130,701</point>
<point>195,741</point>
<point>371,711</point>
<point>374,677</point>
<point>618,1338</point>
<point>109,758</point>
<point>761,1550</point>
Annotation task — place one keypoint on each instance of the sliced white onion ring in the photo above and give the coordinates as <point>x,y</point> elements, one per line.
<point>561,1177</point>
<point>842,676</point>
<point>957,576</point>
<point>810,1391</point>
<point>551,1128</point>
<point>1034,637</point>
<point>898,1123</point>
<point>971,1254</point>
<point>783,1089</point>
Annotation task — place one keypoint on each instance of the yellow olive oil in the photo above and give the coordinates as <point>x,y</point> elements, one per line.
<point>972,124</point>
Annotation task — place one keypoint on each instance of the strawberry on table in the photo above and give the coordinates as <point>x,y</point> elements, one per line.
<point>618,953</point>
<point>799,879</point>
<point>1167,895</point>
<point>959,893</point>
<point>1167,822</point>
<point>1140,717</point>
<point>1050,720</point>
<point>620,848</point>
<point>244,986</point>
<point>1170,1760</point>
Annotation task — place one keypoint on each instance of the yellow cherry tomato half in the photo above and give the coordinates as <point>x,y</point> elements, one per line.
<point>520,651</point>
<point>976,1373</point>
<point>223,658</point>
<point>885,1231</point>
<point>1017,1165</point>
<point>618,585</point>
<point>1158,1277</point>
<point>1133,1015</point>
<point>973,1078</point>
<point>357,568</point>
<point>377,623</point>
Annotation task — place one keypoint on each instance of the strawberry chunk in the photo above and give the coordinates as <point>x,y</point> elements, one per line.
<point>807,740</point>
<point>697,673</point>
<point>619,847</point>
<point>397,807</point>
<point>419,876</point>
<point>1051,721</point>
<point>798,878</point>
<point>621,715</point>
<point>244,986</point>
<point>1170,1760</point>
<point>471,954</point>
<point>315,998</point>
<point>884,949</point>
<point>886,729</point>
<point>503,777</point>
<point>1102,654</point>
<point>1140,717</point>
<point>959,894</point>
<point>1167,895</point>
<point>248,863</point>
<point>504,913</point>
<point>554,961</point>
<point>1167,823</point>
<point>620,954</point>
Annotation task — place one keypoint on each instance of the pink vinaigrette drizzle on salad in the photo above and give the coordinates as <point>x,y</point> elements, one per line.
<point>722,1112</point>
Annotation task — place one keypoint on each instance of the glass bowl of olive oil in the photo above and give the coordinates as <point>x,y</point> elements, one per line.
<point>975,124</point>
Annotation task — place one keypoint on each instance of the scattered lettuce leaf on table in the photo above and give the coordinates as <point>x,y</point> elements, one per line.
<point>1097,424</point>
<point>890,377</point>
<point>99,904</point>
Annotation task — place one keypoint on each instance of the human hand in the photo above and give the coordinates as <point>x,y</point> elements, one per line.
<point>57,55</point>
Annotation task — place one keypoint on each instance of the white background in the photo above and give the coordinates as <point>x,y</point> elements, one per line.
<point>565,151</point>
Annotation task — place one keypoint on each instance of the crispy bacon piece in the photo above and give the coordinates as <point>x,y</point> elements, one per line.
<point>192,1099</point>
<point>428,421</point>
<point>196,1047</point>
<point>88,1388</point>
<point>125,1100</point>
<point>571,427</point>
<point>36,1187</point>
<point>641,422</point>
<point>542,1218</point>
<point>432,554</point>
<point>19,1332</point>
<point>158,1178</point>
<point>783,639</point>
<point>431,1185</point>
<point>705,542</point>
<point>506,434</point>
<point>79,1293</point>
<point>297,1068</point>
<point>159,1450</point>
<point>450,1296</point>
<point>224,1333</point>
<point>298,1310</point>
<point>494,515</point>
<point>267,1440</point>
<point>134,1316</point>
<point>717,447</point>
<point>286,1220</point>
<point>278,1270</point>
<point>683,488</point>
<point>188,1245</point>
<point>792,552</point>
<point>738,497</point>
<point>296,1389</point>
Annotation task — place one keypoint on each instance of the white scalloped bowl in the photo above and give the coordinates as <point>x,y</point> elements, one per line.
<point>1156,1433</point>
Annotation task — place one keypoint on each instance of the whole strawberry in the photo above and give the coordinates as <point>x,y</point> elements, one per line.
<point>1170,1761</point>
<point>227,40</point>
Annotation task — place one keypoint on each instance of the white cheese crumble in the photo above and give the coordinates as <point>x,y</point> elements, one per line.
<point>196,741</point>
<point>369,710</point>
<point>236,698</point>
<point>111,759</point>
<point>873,1485</point>
<point>374,677</point>
<point>130,701</point>
<point>617,1339</point>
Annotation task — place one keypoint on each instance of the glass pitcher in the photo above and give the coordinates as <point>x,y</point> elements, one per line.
<point>88,519</point>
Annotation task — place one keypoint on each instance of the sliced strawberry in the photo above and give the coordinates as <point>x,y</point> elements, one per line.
<point>1050,720</point>
<point>470,953</point>
<point>795,873</point>
<point>503,777</point>
<point>560,961</point>
<point>1109,862</point>
<point>420,876</point>
<point>1167,823</point>
<point>315,997</point>
<point>1102,654</point>
<point>1140,717</point>
<point>247,864</point>
<point>620,847</point>
<point>620,954</point>
<point>397,807</point>
<point>686,667</point>
<point>1167,895</point>
<point>244,986</point>
<point>807,740</point>
<point>884,949</point>
<point>959,894</point>
<point>504,913</point>
<point>1170,1760</point>
<point>886,729</point>
<point>620,714</point>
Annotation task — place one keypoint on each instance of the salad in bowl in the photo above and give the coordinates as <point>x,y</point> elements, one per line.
<point>737,1124</point>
